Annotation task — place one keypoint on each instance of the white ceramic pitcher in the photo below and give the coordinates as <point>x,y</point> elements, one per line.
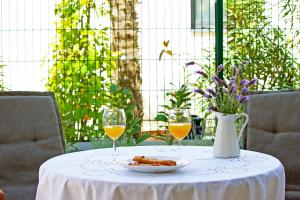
<point>226,144</point>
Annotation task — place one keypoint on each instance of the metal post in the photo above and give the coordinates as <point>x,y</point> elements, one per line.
<point>219,33</point>
<point>193,14</point>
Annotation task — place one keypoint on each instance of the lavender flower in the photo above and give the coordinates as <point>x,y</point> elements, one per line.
<point>220,68</point>
<point>233,89</point>
<point>220,98</point>
<point>252,82</point>
<point>207,96</point>
<point>202,73</point>
<point>212,92</point>
<point>244,99</point>
<point>244,82</point>
<point>232,81</point>
<point>217,80</point>
<point>189,63</point>
<point>244,90</point>
<point>199,91</point>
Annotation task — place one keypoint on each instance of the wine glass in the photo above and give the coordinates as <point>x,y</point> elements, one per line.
<point>114,124</point>
<point>179,125</point>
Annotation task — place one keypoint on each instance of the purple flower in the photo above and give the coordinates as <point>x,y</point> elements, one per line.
<point>244,82</point>
<point>199,91</point>
<point>217,80</point>
<point>212,108</point>
<point>244,90</point>
<point>207,96</point>
<point>189,63</point>
<point>220,68</point>
<point>202,73</point>
<point>238,97</point>
<point>244,99</point>
<point>232,81</point>
<point>252,82</point>
<point>211,91</point>
<point>233,89</point>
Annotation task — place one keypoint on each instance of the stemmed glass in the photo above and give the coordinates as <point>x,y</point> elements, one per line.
<point>114,124</point>
<point>179,125</point>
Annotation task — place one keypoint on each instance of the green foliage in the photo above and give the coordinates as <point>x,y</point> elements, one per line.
<point>81,74</point>
<point>290,12</point>
<point>119,97</point>
<point>226,103</point>
<point>252,37</point>
<point>208,66</point>
<point>179,99</point>
<point>142,138</point>
<point>83,61</point>
<point>161,116</point>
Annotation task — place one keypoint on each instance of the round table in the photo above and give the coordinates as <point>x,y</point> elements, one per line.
<point>89,175</point>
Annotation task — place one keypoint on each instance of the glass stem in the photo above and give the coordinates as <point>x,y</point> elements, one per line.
<point>179,149</point>
<point>114,150</point>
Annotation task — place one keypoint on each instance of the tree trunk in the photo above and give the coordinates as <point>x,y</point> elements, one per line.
<point>125,43</point>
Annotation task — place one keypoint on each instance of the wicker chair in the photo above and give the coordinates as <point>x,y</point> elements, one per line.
<point>31,133</point>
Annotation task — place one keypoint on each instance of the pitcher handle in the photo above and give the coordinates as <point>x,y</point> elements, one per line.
<point>244,125</point>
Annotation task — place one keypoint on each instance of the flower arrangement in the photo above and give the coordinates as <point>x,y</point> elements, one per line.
<point>227,96</point>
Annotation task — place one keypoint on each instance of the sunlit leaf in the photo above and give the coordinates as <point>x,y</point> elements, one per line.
<point>166,43</point>
<point>170,52</point>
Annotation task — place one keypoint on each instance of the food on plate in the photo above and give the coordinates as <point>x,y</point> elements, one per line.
<point>143,164</point>
<point>148,161</point>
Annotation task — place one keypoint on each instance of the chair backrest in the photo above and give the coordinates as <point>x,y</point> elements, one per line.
<point>274,128</point>
<point>30,133</point>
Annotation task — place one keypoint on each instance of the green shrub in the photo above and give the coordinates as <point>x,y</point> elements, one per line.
<point>180,98</point>
<point>81,74</point>
<point>252,37</point>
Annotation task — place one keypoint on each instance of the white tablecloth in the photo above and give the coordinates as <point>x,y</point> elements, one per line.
<point>88,175</point>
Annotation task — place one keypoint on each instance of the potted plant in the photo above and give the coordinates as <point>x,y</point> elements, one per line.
<point>179,99</point>
<point>225,100</point>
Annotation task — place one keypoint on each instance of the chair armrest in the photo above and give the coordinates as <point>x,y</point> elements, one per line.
<point>2,195</point>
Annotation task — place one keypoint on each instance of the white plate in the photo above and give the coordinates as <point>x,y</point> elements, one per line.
<point>180,163</point>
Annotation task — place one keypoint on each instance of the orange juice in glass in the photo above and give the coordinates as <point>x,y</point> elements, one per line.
<point>179,125</point>
<point>180,130</point>
<point>114,123</point>
<point>114,131</point>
